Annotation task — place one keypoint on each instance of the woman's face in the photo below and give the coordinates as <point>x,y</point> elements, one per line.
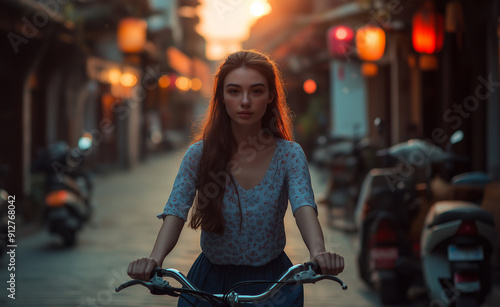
<point>246,96</point>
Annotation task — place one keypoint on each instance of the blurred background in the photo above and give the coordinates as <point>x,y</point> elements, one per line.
<point>122,82</point>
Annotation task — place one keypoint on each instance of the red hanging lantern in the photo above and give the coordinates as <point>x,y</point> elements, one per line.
<point>428,29</point>
<point>340,41</point>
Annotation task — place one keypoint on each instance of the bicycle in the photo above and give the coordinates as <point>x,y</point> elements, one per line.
<point>298,274</point>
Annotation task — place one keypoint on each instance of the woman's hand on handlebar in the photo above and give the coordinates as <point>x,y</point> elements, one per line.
<point>141,268</point>
<point>330,263</point>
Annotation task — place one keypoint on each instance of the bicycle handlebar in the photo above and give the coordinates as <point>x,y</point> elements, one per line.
<point>297,274</point>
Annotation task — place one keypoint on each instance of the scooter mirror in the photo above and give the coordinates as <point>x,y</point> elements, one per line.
<point>379,124</point>
<point>84,143</point>
<point>322,140</point>
<point>457,137</point>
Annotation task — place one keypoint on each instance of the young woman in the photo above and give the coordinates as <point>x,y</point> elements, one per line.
<point>241,171</point>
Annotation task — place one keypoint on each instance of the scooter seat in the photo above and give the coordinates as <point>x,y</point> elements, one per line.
<point>447,211</point>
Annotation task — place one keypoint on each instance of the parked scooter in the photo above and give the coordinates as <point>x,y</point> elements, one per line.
<point>67,188</point>
<point>457,242</point>
<point>386,254</point>
<point>390,200</point>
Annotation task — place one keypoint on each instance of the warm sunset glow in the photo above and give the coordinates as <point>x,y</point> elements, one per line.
<point>225,24</point>
<point>259,8</point>
<point>219,49</point>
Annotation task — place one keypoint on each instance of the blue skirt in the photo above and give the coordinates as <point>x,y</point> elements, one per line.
<point>215,278</point>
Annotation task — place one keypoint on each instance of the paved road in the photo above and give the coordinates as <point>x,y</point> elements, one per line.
<point>124,228</point>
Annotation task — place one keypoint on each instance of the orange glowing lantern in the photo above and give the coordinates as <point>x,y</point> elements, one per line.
<point>369,69</point>
<point>428,29</point>
<point>428,62</point>
<point>164,81</point>
<point>310,86</point>
<point>183,84</point>
<point>340,41</point>
<point>128,79</point>
<point>196,84</point>
<point>370,42</point>
<point>131,35</point>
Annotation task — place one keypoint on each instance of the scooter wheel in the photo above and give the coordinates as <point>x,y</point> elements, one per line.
<point>69,238</point>
<point>363,269</point>
<point>392,291</point>
<point>467,300</point>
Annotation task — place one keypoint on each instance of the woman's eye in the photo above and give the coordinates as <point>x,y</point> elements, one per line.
<point>233,91</point>
<point>257,91</point>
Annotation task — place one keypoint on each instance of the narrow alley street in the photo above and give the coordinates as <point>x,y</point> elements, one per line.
<point>125,227</point>
<point>117,86</point>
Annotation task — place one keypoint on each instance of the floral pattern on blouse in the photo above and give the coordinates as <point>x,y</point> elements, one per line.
<point>261,236</point>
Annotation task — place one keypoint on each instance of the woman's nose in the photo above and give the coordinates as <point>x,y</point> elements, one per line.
<point>245,100</point>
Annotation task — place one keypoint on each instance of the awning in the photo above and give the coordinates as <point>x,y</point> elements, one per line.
<point>179,62</point>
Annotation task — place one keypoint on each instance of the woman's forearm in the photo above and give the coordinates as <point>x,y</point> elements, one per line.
<point>167,238</point>
<point>310,229</point>
<point>307,221</point>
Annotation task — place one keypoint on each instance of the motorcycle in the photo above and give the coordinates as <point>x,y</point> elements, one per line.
<point>390,201</point>
<point>68,188</point>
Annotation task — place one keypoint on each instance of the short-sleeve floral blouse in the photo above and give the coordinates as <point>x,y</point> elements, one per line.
<point>261,237</point>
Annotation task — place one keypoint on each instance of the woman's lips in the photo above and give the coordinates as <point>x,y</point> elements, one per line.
<point>245,114</point>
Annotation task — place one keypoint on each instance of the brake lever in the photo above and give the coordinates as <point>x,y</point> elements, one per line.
<point>160,286</point>
<point>330,277</point>
<point>310,276</point>
<point>133,282</point>
<point>156,285</point>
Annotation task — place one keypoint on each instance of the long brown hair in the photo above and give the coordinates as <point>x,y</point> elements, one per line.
<point>218,140</point>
